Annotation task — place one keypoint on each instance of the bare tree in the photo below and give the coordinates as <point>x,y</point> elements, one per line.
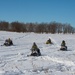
<point>4,25</point>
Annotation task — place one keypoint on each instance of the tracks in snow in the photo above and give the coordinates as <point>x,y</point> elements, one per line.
<point>58,60</point>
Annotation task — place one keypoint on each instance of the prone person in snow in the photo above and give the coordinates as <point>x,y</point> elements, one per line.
<point>49,41</point>
<point>63,46</point>
<point>35,51</point>
<point>8,42</point>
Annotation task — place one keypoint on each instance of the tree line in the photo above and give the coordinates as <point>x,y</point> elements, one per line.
<point>52,27</point>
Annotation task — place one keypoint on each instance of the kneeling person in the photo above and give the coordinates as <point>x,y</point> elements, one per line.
<point>49,41</point>
<point>35,51</point>
<point>63,46</point>
<point>8,42</point>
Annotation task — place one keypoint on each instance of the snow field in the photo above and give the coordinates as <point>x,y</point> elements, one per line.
<point>14,60</point>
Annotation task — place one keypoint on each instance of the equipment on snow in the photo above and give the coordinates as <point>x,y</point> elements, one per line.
<point>35,51</point>
<point>8,42</point>
<point>49,41</point>
<point>63,46</point>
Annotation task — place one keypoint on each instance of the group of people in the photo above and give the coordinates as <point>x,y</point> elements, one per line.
<point>35,51</point>
<point>63,44</point>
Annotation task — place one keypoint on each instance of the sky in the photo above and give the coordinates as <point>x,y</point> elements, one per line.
<point>62,11</point>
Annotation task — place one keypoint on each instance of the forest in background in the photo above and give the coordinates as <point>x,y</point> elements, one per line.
<point>52,27</point>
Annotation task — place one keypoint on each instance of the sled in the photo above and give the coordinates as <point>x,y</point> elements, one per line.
<point>7,45</point>
<point>63,48</point>
<point>34,54</point>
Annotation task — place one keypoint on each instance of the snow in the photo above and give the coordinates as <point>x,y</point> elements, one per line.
<point>14,60</point>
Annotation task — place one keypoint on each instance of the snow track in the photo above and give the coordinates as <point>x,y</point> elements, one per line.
<point>59,60</point>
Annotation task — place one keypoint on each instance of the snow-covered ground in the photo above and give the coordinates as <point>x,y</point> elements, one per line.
<point>14,60</point>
